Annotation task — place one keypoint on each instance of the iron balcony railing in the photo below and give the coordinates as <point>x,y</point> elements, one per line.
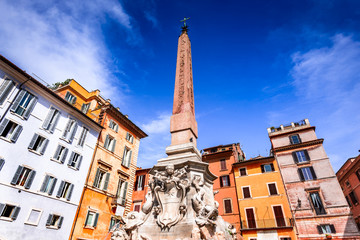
<point>266,223</point>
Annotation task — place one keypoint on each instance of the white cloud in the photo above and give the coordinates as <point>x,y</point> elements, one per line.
<point>328,89</point>
<point>60,40</point>
<point>160,125</point>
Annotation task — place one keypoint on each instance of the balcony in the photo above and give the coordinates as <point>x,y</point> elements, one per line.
<point>267,223</point>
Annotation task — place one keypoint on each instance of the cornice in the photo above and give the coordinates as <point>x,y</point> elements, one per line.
<point>299,145</point>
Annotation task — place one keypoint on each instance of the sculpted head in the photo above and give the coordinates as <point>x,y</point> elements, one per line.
<point>170,169</point>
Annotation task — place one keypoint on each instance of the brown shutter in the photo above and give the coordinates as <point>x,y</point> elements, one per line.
<point>280,221</point>
<point>246,192</point>
<point>227,203</point>
<point>250,218</point>
<point>272,189</point>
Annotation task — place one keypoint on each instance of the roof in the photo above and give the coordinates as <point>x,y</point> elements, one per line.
<point>45,88</point>
<point>253,160</point>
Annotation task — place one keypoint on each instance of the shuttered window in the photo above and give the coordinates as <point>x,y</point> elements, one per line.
<point>65,190</point>
<point>326,228</point>
<point>140,183</point>
<point>353,198</point>
<point>83,135</point>
<point>91,219</point>
<point>224,181</point>
<point>60,153</point>
<point>307,173</point>
<point>75,160</point>
<point>24,104</point>
<point>317,203</point>
<point>126,157</point>
<point>54,221</point>
<point>5,88</point>
<point>110,143</point>
<point>23,177</point>
<point>38,144</point>
<point>295,139</point>
<point>51,120</point>
<point>48,184</point>
<point>70,130</point>
<point>9,211</point>
<point>222,164</point>
<point>101,179</point>
<point>242,171</point>
<point>121,191</point>
<point>301,156</point>
<point>267,168</point>
<point>227,206</point>
<point>70,98</point>
<point>129,137</point>
<point>10,130</point>
<point>85,107</point>
<point>113,125</point>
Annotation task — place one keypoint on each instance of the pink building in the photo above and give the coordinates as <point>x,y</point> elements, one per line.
<point>316,199</point>
<point>349,179</point>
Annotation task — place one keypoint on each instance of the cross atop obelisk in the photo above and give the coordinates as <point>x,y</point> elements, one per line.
<point>183,126</point>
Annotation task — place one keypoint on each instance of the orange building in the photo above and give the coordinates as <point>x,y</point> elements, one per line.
<point>220,160</point>
<point>264,208</point>
<point>140,188</point>
<point>108,189</point>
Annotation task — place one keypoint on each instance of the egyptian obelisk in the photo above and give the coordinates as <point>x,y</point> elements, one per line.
<point>180,200</point>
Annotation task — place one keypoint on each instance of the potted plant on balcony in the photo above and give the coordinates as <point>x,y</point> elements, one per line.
<point>328,236</point>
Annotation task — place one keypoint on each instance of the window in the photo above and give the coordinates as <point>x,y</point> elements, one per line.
<point>114,223</point>
<point>60,153</point>
<point>285,238</point>
<point>101,179</point>
<point>34,217</point>
<point>2,163</point>
<point>295,139</point>
<point>307,173</point>
<point>75,160</point>
<point>279,216</point>
<point>246,192</point>
<point>272,189</point>
<point>51,120</point>
<point>9,211</point>
<point>267,168</point>
<point>24,104</point>
<point>137,206</point>
<point>126,157</point>
<point>353,198</point>
<point>38,144</point>
<point>54,221</point>
<point>227,206</point>
<point>83,135</point>
<point>65,190</point>
<point>5,88</point>
<point>129,137</point>
<point>326,228</point>
<point>70,98</point>
<point>121,191</point>
<point>91,219</point>
<point>85,107</point>
<point>250,217</point>
<point>317,203</point>
<point>140,183</point>
<point>23,177</point>
<point>48,184</point>
<point>301,156</point>
<point>348,201</point>
<point>358,174</point>
<point>10,130</point>
<point>224,181</point>
<point>70,130</point>
<point>242,171</point>
<point>223,164</point>
<point>109,143</point>
<point>347,184</point>
<point>113,125</point>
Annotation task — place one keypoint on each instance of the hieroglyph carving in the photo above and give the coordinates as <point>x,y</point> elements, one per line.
<point>170,188</point>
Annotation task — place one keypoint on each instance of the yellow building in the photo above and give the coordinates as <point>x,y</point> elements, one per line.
<point>109,185</point>
<point>264,208</point>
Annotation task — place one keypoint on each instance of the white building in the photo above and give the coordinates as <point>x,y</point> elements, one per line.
<point>46,147</point>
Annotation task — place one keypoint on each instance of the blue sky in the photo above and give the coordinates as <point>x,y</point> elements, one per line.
<point>256,64</point>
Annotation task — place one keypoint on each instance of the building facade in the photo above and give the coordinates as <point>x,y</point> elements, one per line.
<point>108,190</point>
<point>140,189</point>
<point>264,208</point>
<point>46,147</point>
<point>220,160</point>
<point>316,200</point>
<point>349,179</point>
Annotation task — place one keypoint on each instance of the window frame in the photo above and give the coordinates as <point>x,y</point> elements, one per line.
<point>18,101</point>
<point>78,161</point>
<point>94,219</point>
<point>110,143</point>
<point>306,156</point>
<point>45,188</point>
<point>137,204</point>
<point>223,164</point>
<point>246,216</point>
<point>113,125</point>
<point>40,147</point>
<point>70,98</point>
<point>126,160</point>
<point>61,193</point>
<point>141,183</point>
<point>292,141</point>
<point>85,106</point>
<point>70,130</point>
<point>7,91</point>
<point>61,154</point>
<point>276,188</point>
<point>263,170</point>
<point>231,205</point>
<point>321,230</point>
<point>38,218</point>
<point>101,181</point>
<point>51,120</point>
<point>13,214</point>
<point>121,191</point>
<point>283,215</point>
<point>14,133</point>
<point>245,172</point>
<point>49,221</point>
<point>19,177</point>
<point>322,211</point>
<point>242,192</point>
<point>84,132</point>
<point>222,182</point>
<point>302,176</point>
